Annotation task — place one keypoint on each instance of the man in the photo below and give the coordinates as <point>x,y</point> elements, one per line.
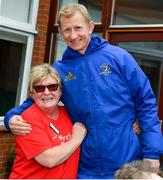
<point>104,88</point>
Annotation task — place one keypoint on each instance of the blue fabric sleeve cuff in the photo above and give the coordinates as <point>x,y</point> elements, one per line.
<point>6,120</point>
<point>152,156</point>
<point>16,111</point>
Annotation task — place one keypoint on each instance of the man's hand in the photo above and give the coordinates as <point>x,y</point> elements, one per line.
<point>136,127</point>
<point>154,164</point>
<point>18,126</point>
<point>79,132</point>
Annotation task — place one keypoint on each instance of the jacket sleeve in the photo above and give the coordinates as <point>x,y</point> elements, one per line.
<point>145,106</point>
<point>17,111</point>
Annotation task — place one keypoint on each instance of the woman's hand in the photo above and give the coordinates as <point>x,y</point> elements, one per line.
<point>136,127</point>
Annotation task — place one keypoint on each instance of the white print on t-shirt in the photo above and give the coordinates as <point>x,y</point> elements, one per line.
<point>62,138</point>
<point>54,128</point>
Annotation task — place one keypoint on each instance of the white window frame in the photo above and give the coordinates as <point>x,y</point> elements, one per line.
<point>24,33</point>
<point>129,26</point>
<point>27,61</point>
<point>22,26</point>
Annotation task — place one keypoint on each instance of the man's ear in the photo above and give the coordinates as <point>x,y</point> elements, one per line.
<point>91,26</point>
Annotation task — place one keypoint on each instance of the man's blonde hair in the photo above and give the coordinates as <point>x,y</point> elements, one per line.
<point>70,9</point>
<point>39,73</point>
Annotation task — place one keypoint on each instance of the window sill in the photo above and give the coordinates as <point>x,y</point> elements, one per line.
<point>2,127</point>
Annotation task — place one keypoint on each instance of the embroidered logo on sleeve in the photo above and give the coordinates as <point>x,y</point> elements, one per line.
<point>69,77</point>
<point>105,69</point>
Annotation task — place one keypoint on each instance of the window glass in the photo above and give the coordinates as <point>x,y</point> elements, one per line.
<point>130,12</point>
<point>94,7</point>
<point>15,9</point>
<point>149,56</point>
<point>60,47</point>
<point>10,60</point>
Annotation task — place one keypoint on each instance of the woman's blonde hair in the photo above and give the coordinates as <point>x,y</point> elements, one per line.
<point>70,9</point>
<point>39,73</point>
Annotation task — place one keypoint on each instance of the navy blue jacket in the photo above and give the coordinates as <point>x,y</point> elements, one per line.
<point>107,91</point>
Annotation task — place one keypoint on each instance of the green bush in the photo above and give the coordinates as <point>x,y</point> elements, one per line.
<point>10,160</point>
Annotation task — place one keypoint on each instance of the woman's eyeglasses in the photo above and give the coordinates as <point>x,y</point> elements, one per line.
<point>41,88</point>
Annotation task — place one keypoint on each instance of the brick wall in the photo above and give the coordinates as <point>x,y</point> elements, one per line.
<point>7,140</point>
<point>7,143</point>
<point>42,27</point>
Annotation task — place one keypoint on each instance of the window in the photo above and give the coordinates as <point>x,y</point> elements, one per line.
<point>18,14</point>
<point>10,60</point>
<point>16,9</point>
<point>17,30</point>
<point>129,12</point>
<point>149,56</point>
<point>95,7</point>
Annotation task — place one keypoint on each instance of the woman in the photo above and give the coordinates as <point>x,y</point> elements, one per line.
<point>51,150</point>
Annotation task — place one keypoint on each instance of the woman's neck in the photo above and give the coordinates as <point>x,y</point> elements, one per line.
<point>52,112</point>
